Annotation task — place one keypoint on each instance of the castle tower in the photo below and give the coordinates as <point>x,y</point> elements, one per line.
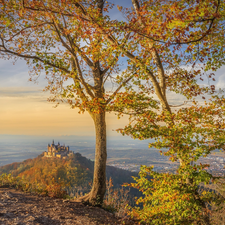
<point>52,145</point>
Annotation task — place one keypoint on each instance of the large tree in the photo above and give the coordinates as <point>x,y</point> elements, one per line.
<point>62,39</point>
<point>174,49</point>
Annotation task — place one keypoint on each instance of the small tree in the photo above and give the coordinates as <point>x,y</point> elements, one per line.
<point>63,39</point>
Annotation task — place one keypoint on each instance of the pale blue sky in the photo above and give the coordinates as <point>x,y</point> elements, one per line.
<point>25,110</point>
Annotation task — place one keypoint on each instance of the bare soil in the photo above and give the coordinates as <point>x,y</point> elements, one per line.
<point>19,208</point>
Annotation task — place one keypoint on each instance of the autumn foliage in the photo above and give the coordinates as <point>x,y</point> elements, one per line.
<point>169,199</point>
<point>52,177</point>
<point>172,50</point>
<point>175,47</point>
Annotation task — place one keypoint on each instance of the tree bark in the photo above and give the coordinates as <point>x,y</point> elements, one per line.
<point>96,195</point>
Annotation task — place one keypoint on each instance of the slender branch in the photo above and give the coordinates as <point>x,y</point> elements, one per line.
<point>76,80</point>
<point>79,90</point>
<point>181,43</point>
<point>154,53</point>
<point>34,57</point>
<point>106,76</point>
<point>179,105</point>
<point>159,65</point>
<point>25,28</point>
<point>137,7</point>
<point>104,71</point>
<point>100,4</point>
<point>78,5</point>
<point>114,61</point>
<point>85,58</point>
<point>64,20</point>
<point>199,39</point>
<point>81,7</point>
<point>57,29</point>
<point>117,90</point>
<point>87,86</point>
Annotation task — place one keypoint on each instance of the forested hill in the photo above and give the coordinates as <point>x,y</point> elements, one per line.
<point>76,172</point>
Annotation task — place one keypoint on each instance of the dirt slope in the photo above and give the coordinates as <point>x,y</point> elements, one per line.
<point>21,208</point>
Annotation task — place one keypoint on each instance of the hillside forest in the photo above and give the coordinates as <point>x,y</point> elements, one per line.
<point>73,175</point>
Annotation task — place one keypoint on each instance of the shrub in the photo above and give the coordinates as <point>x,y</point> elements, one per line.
<point>174,198</point>
<point>54,189</point>
<point>116,200</point>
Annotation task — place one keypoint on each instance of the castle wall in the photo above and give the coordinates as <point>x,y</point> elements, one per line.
<point>59,156</point>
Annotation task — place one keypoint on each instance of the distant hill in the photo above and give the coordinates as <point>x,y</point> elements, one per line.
<point>76,172</point>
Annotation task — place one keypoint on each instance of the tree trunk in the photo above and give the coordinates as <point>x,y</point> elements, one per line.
<point>96,195</point>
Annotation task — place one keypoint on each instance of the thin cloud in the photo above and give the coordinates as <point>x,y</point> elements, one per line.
<point>23,93</point>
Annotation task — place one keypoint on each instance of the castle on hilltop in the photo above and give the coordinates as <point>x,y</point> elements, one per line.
<point>60,151</point>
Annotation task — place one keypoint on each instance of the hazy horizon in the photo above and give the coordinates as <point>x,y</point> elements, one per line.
<point>16,148</point>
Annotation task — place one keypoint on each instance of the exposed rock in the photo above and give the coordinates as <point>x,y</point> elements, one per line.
<point>19,208</point>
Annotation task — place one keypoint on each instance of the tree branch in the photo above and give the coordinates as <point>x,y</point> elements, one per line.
<point>87,86</point>
<point>117,90</point>
<point>25,28</point>
<point>154,53</point>
<point>33,57</point>
<point>85,58</point>
<point>60,37</point>
<point>57,12</point>
<point>137,8</point>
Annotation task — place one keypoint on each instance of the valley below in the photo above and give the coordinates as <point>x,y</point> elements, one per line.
<point>122,152</point>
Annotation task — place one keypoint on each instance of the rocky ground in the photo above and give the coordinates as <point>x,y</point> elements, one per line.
<point>21,208</point>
